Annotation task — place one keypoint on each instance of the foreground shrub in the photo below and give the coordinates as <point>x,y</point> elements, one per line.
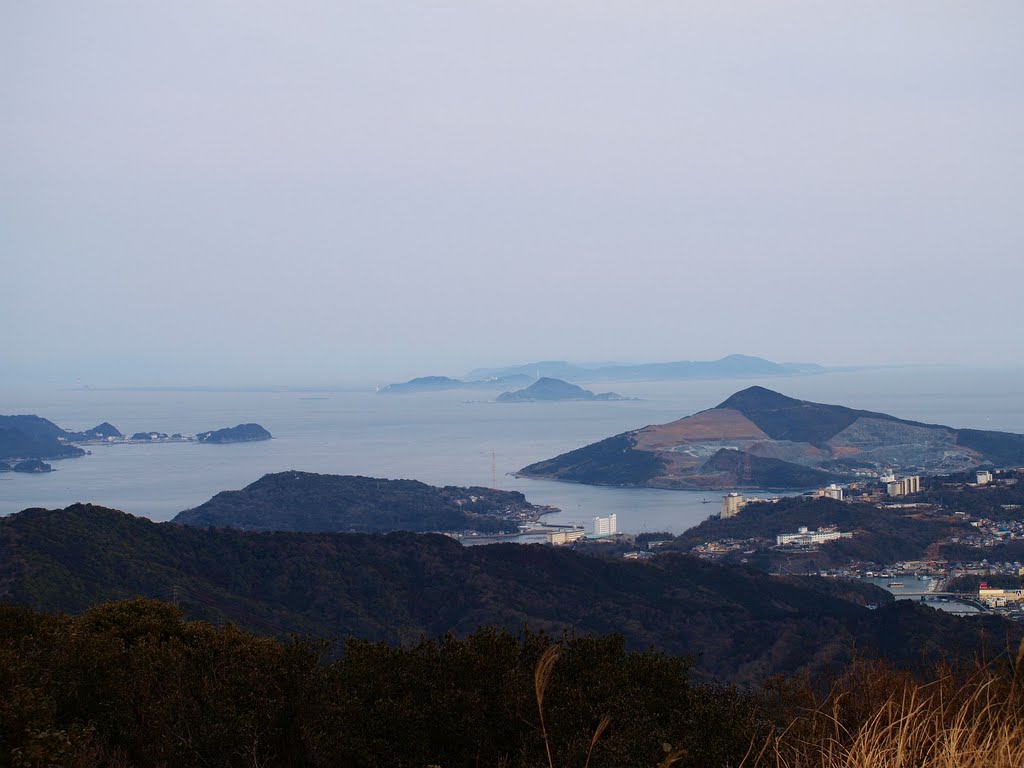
<point>134,685</point>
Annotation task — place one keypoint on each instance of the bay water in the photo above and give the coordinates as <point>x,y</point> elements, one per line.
<point>444,438</point>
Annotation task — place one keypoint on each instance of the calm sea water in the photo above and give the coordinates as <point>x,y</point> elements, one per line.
<point>442,438</point>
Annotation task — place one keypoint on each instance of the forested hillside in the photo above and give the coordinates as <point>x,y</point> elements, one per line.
<point>738,624</point>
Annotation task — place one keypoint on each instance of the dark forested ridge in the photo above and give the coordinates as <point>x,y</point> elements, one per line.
<point>740,624</point>
<point>612,461</point>
<point>306,501</point>
<point>33,437</point>
<point>135,685</point>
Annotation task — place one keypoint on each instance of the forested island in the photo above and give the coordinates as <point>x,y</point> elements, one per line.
<point>305,501</point>
<point>32,466</point>
<point>32,437</point>
<point>243,433</point>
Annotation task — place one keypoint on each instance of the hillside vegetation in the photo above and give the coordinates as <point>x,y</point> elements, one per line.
<point>135,685</point>
<point>32,437</point>
<point>738,623</point>
<point>305,501</point>
<point>880,535</point>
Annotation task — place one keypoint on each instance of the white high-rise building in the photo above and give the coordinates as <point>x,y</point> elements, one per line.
<point>902,487</point>
<point>731,505</point>
<point>605,526</point>
<point>833,492</point>
<point>983,477</point>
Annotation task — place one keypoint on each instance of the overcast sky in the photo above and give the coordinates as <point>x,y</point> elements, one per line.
<point>313,192</point>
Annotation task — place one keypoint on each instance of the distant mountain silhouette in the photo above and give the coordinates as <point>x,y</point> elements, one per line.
<point>733,366</point>
<point>444,383</point>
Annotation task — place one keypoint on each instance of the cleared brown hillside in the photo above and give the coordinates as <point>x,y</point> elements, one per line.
<point>716,424</point>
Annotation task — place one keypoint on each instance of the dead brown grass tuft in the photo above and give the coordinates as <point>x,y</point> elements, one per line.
<point>876,717</point>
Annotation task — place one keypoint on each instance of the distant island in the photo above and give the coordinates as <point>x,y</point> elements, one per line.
<point>304,501</point>
<point>32,437</point>
<point>762,439</point>
<point>35,438</point>
<point>32,466</point>
<point>731,367</point>
<point>243,433</point>
<point>548,389</point>
<point>446,383</point>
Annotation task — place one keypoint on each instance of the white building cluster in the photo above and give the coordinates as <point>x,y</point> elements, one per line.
<point>833,491</point>
<point>566,536</point>
<point>998,598</point>
<point>902,487</point>
<point>805,537</point>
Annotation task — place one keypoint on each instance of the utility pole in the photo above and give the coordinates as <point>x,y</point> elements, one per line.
<point>494,472</point>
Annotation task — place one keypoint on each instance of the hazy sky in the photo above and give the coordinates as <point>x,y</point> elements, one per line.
<point>232,192</point>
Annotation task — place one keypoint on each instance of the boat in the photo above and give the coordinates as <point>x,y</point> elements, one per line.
<point>704,501</point>
<point>895,584</point>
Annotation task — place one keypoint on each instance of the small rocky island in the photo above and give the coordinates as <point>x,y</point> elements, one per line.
<point>548,389</point>
<point>33,438</point>
<point>32,466</point>
<point>243,433</point>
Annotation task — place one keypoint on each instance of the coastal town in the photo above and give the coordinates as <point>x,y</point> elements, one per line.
<point>977,580</point>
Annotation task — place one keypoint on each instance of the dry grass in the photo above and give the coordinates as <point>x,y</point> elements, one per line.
<point>876,717</point>
<point>541,676</point>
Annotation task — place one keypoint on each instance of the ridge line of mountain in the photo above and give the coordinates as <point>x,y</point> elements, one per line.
<point>742,625</point>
